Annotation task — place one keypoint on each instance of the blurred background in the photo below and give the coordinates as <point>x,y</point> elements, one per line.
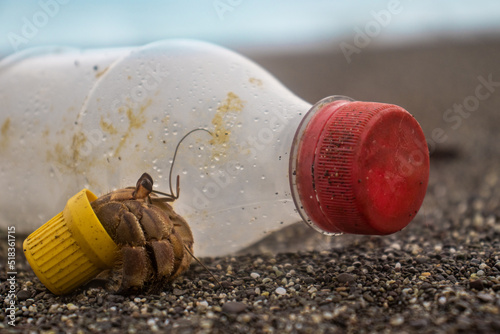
<point>431,57</point>
<point>291,25</point>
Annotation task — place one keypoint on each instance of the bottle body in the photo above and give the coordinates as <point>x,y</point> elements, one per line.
<point>265,158</point>
<point>128,119</point>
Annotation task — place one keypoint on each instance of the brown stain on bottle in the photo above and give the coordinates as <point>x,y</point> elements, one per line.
<point>107,127</point>
<point>65,158</point>
<point>150,136</point>
<point>255,81</point>
<point>77,146</point>
<point>4,133</point>
<point>231,105</point>
<point>225,114</point>
<point>101,73</point>
<point>136,121</point>
<point>75,157</point>
<point>68,158</point>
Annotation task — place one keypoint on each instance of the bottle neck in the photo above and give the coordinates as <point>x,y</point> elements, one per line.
<point>307,167</point>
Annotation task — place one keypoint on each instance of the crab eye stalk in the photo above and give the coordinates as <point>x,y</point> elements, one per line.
<point>144,187</point>
<point>178,187</point>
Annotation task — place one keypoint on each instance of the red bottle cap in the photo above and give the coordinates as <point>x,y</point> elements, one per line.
<point>359,167</point>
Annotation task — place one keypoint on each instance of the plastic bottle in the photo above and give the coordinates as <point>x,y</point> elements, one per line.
<point>98,119</point>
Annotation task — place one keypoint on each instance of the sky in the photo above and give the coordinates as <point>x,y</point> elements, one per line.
<point>240,24</point>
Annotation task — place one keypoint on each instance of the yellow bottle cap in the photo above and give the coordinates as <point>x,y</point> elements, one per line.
<point>71,248</point>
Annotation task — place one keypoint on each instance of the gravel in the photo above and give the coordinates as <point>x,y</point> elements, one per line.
<point>424,280</point>
<point>439,275</point>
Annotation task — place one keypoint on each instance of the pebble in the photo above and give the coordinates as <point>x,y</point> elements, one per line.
<point>419,323</point>
<point>397,320</point>
<point>486,297</point>
<point>234,307</point>
<point>178,292</point>
<point>476,284</point>
<point>280,291</point>
<point>23,295</point>
<point>368,297</point>
<point>345,278</point>
<point>395,246</point>
<point>202,305</point>
<point>255,275</point>
<point>72,307</point>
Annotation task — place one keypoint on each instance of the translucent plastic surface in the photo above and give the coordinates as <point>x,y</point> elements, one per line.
<point>99,119</point>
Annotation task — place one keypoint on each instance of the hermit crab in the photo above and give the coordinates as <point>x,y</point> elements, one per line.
<point>155,243</point>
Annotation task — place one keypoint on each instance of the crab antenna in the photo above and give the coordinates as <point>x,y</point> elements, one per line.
<point>205,267</point>
<point>173,161</point>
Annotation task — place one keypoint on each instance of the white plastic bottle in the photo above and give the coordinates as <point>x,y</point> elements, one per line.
<point>98,119</point>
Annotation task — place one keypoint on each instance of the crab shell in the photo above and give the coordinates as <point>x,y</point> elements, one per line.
<point>151,237</point>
